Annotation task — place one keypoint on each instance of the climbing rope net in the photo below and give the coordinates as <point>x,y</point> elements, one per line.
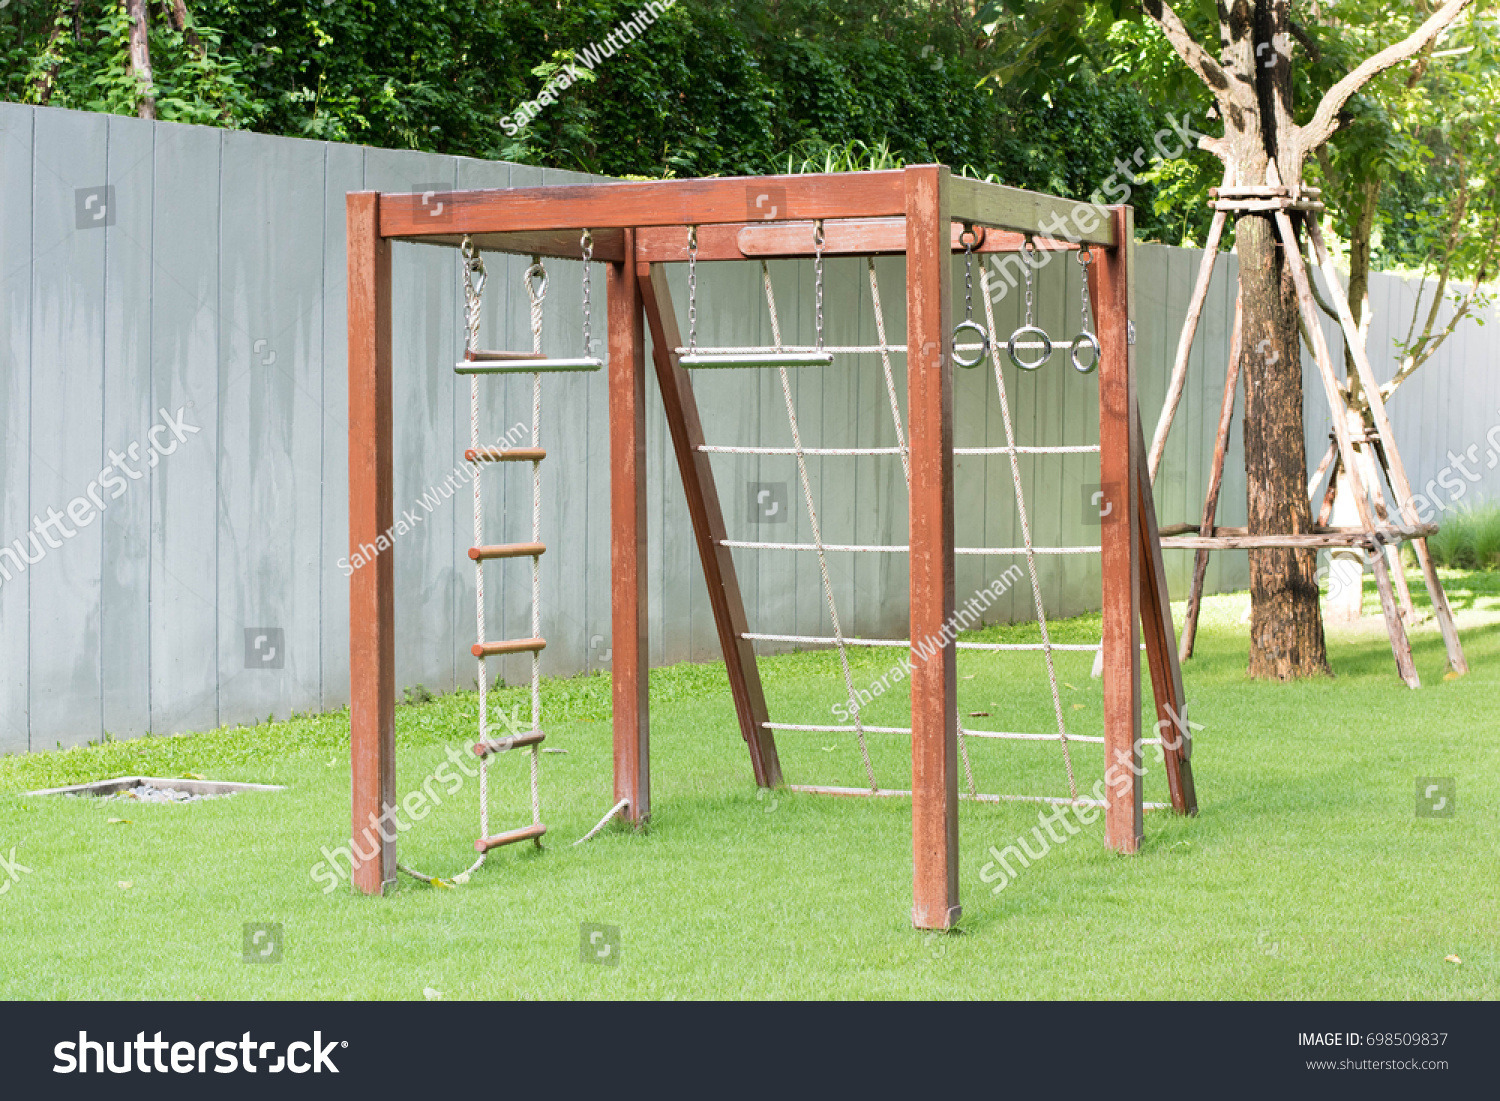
<point>974,354</point>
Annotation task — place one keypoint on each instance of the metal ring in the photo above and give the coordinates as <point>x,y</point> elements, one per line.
<point>984,340</point>
<point>536,278</point>
<point>1088,340</point>
<point>1029,330</point>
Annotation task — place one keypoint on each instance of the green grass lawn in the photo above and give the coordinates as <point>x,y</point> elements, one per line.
<point>1306,875</point>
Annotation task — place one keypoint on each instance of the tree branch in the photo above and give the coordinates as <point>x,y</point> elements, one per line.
<point>1325,120</point>
<point>1193,55</point>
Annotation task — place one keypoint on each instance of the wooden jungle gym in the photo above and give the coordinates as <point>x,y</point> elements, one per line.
<point>922,213</point>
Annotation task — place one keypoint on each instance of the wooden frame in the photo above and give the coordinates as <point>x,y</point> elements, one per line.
<point>919,212</point>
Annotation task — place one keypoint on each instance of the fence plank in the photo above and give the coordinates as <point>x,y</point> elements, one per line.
<point>125,581</point>
<point>184,353</point>
<point>16,258</point>
<point>270,428</point>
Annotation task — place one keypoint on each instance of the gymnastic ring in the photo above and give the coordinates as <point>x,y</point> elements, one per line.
<point>1029,330</point>
<point>1085,340</point>
<point>984,341</point>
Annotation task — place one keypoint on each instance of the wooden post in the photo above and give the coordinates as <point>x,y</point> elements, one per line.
<point>629,634</point>
<point>934,699</point>
<point>372,606</point>
<point>1215,483</point>
<point>1119,461</point>
<point>708,525</point>
<point>1400,644</point>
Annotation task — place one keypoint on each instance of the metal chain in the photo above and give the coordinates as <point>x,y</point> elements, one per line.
<point>586,242</point>
<point>818,277</point>
<point>1085,257</point>
<point>968,238</point>
<point>1028,258</point>
<point>474,278</point>
<point>692,288</point>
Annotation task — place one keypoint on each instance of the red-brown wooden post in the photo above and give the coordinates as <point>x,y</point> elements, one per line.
<point>934,702</point>
<point>1119,463</point>
<point>630,663</point>
<point>372,606</point>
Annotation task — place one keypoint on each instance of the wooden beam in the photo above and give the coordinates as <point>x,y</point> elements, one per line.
<point>1161,647</point>
<point>934,700</point>
<point>1400,644</point>
<point>1119,428</point>
<point>601,206</point>
<point>1215,483</point>
<point>629,638</point>
<point>555,244</point>
<point>372,605</point>
<point>988,204</point>
<point>785,240</point>
<point>708,525</point>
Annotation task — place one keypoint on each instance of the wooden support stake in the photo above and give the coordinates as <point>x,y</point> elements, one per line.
<point>1161,649</point>
<point>934,693</point>
<point>629,623</point>
<point>1392,457</point>
<point>1185,340</point>
<point>372,604</point>
<point>708,524</point>
<point>1215,483</point>
<point>1400,644</point>
<point>1119,427</point>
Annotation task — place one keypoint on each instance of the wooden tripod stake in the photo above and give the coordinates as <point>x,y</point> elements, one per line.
<point>1353,451</point>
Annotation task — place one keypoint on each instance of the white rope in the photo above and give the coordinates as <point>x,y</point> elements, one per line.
<point>905,643</point>
<point>614,810</point>
<point>969,731</point>
<point>724,449</point>
<point>1061,449</point>
<point>836,349</point>
<point>876,548</point>
<point>715,449</point>
<point>1036,588</point>
<point>1055,800</point>
<point>890,378</point>
<point>812,518</point>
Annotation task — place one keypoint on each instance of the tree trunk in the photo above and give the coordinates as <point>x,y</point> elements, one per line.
<point>140,57</point>
<point>1286,625</point>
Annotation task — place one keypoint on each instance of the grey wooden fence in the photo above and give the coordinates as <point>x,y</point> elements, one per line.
<point>150,271</point>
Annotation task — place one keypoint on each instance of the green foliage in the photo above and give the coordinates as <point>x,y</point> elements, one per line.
<point>708,88</point>
<point>1468,540</point>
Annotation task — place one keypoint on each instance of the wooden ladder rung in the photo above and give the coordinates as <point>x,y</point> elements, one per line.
<point>505,455</point>
<point>510,837</point>
<point>515,741</point>
<point>507,550</point>
<point>510,646</point>
<point>483,356</point>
